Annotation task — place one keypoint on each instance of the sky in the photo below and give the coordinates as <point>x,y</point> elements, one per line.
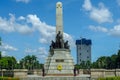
<point>28,26</point>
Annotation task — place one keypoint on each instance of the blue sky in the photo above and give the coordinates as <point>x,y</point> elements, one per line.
<point>28,26</point>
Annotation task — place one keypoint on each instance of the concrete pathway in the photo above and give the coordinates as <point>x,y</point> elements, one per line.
<point>36,77</point>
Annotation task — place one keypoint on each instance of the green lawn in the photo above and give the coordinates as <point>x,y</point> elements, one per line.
<point>110,78</point>
<point>8,78</point>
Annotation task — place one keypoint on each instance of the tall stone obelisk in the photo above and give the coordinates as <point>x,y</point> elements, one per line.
<point>59,19</point>
<point>59,61</point>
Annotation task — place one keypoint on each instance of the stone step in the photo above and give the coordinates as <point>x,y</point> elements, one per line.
<point>55,78</point>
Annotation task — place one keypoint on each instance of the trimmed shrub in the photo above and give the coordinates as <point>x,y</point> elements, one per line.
<point>8,78</point>
<point>109,78</point>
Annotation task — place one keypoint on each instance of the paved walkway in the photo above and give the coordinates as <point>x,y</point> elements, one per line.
<point>36,77</point>
<point>83,75</point>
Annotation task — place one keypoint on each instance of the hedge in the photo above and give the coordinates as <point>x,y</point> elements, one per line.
<point>109,78</point>
<point>8,78</point>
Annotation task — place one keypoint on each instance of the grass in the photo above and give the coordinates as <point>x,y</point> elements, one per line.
<point>109,78</point>
<point>8,78</point>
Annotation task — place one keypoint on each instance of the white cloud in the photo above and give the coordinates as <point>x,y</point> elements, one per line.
<point>118,1</point>
<point>47,32</point>
<point>21,18</point>
<point>6,47</point>
<point>4,53</point>
<point>30,51</point>
<point>70,39</point>
<point>98,28</point>
<point>24,1</point>
<point>115,31</point>
<point>87,5</point>
<point>30,24</point>
<point>40,52</point>
<point>24,29</point>
<point>7,25</point>
<point>100,14</point>
<point>118,21</point>
<point>11,25</point>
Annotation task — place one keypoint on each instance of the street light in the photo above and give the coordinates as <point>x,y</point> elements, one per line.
<point>18,64</point>
<point>1,69</point>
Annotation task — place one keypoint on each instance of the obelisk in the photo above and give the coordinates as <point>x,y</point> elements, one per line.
<point>59,61</point>
<point>59,19</point>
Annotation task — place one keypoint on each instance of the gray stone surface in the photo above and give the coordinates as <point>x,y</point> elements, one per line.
<point>32,77</point>
<point>59,54</point>
<point>67,64</point>
<point>59,18</point>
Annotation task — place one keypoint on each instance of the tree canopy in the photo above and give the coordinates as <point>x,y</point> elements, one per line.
<point>103,62</point>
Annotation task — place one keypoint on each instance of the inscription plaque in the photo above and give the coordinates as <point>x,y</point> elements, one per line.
<point>59,60</point>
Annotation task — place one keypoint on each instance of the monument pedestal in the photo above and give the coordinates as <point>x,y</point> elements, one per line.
<point>59,62</point>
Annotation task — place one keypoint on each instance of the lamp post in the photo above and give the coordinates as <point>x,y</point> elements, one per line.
<point>18,66</point>
<point>1,69</point>
<point>28,64</point>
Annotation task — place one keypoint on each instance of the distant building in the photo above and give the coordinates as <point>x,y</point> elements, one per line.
<point>83,50</point>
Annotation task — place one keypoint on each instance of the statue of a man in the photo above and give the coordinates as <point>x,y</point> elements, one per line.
<point>59,40</point>
<point>52,46</point>
<point>66,46</point>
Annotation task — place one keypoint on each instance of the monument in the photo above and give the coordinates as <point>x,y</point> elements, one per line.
<point>59,61</point>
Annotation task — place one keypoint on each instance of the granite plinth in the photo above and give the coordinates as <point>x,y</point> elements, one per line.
<point>59,57</point>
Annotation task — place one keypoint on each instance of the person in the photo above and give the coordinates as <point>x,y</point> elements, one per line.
<point>43,71</point>
<point>78,71</point>
<point>74,71</point>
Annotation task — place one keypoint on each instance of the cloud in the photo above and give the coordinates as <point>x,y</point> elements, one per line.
<point>115,31</point>
<point>118,1</point>
<point>87,5</point>
<point>47,32</point>
<point>11,25</point>
<point>70,39</point>
<point>28,25</point>
<point>100,14</point>
<point>118,21</point>
<point>40,52</point>
<point>4,53</point>
<point>15,25</point>
<point>6,47</point>
<point>7,25</point>
<point>21,18</point>
<point>24,29</point>
<point>98,28</point>
<point>24,1</point>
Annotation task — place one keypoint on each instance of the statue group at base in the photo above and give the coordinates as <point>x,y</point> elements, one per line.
<point>59,43</point>
<point>59,60</point>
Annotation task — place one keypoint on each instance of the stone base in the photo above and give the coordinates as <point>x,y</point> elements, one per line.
<point>59,57</point>
<point>59,75</point>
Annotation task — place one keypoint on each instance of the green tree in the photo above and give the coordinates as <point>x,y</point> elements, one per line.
<point>3,63</point>
<point>8,62</point>
<point>83,65</point>
<point>77,66</point>
<point>29,62</point>
<point>118,59</point>
<point>108,63</point>
<point>113,61</point>
<point>0,55</point>
<point>101,62</point>
<point>94,65</point>
<point>0,46</point>
<point>88,64</point>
